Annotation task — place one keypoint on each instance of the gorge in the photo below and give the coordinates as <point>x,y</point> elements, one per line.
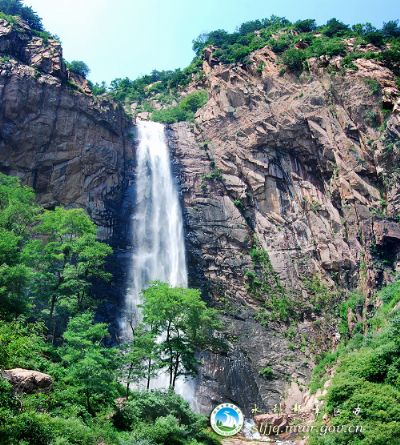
<point>272,188</point>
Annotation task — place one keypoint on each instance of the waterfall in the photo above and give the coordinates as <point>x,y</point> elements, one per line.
<point>158,240</point>
<point>157,222</point>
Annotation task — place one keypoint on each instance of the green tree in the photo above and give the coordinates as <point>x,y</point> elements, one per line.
<point>391,28</point>
<point>16,7</point>
<point>79,67</point>
<point>66,258</point>
<point>21,344</point>
<point>182,322</point>
<point>334,27</point>
<point>294,59</point>
<point>18,213</point>
<point>307,25</point>
<point>88,368</point>
<point>140,357</point>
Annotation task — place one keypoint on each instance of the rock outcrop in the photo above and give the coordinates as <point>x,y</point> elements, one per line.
<point>28,381</point>
<point>71,147</point>
<point>299,167</point>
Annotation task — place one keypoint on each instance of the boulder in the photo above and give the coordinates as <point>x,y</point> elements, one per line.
<point>28,381</point>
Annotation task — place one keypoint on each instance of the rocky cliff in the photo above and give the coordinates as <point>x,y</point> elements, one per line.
<point>290,187</point>
<point>70,146</point>
<point>303,170</point>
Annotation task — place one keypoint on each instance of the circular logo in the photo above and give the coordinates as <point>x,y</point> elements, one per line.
<point>226,419</point>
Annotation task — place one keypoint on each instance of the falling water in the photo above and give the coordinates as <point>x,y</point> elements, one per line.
<point>159,248</point>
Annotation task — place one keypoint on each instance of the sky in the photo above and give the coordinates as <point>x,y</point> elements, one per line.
<point>129,38</point>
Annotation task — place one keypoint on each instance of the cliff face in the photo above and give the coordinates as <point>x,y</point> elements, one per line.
<point>71,147</point>
<point>304,168</point>
<point>289,184</point>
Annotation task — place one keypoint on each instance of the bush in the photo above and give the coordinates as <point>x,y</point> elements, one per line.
<point>391,59</point>
<point>326,47</point>
<point>391,29</point>
<point>16,7</point>
<point>162,417</point>
<point>307,25</point>
<point>294,59</point>
<point>267,373</point>
<point>334,27</point>
<point>367,377</point>
<point>280,45</point>
<point>78,67</point>
<point>184,111</point>
<point>373,85</point>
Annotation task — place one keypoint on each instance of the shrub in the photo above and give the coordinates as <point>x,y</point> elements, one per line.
<point>162,417</point>
<point>328,47</point>
<point>184,111</point>
<point>294,59</point>
<point>334,27</point>
<point>280,45</point>
<point>373,85</point>
<point>16,7</point>
<point>391,29</point>
<point>391,59</point>
<point>267,373</point>
<point>78,67</point>
<point>375,38</point>
<point>307,25</point>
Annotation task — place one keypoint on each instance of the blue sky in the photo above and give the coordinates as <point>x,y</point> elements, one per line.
<point>119,38</point>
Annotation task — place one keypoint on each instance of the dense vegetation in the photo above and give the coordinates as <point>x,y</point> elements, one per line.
<point>298,41</point>
<point>365,389</point>
<point>184,110</point>
<point>49,260</point>
<point>294,43</point>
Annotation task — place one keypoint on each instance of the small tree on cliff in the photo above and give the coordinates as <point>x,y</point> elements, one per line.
<point>78,67</point>
<point>182,322</point>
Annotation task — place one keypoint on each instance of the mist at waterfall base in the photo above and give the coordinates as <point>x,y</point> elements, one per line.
<point>157,231</point>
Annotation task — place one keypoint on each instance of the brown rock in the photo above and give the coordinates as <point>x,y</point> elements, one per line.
<point>272,424</point>
<point>28,381</point>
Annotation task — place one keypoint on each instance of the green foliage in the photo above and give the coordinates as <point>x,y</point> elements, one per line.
<point>294,59</point>
<point>330,47</point>
<point>48,261</point>
<point>307,25</point>
<point>320,296</point>
<point>156,84</point>
<point>391,28</point>
<point>98,88</point>
<point>264,284</point>
<point>184,110</point>
<point>281,44</point>
<point>162,417</point>
<point>373,85</point>
<point>87,370</point>
<point>213,175</point>
<point>334,27</point>
<point>47,257</point>
<point>16,7</point>
<point>367,377</point>
<point>181,318</point>
<point>267,373</point>
<point>372,118</point>
<point>78,67</point>
<point>22,344</point>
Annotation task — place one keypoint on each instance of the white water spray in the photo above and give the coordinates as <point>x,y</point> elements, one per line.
<point>159,247</point>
